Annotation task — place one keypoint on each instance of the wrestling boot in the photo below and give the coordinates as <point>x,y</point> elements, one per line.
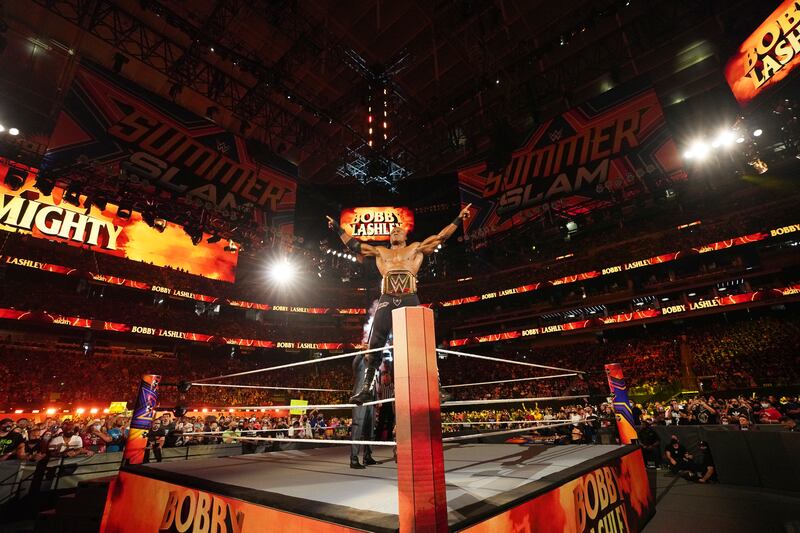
<point>369,461</point>
<point>367,391</point>
<point>355,464</point>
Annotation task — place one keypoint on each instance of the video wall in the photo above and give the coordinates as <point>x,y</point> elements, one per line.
<point>53,218</point>
<point>371,224</point>
<point>768,55</point>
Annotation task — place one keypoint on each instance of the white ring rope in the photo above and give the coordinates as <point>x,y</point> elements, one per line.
<point>319,441</point>
<point>511,400</point>
<point>496,433</point>
<point>554,376</point>
<point>304,407</point>
<point>292,365</point>
<point>239,433</point>
<point>511,361</point>
<point>499,422</point>
<point>232,386</point>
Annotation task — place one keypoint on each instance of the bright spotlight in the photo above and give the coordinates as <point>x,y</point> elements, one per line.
<point>739,140</point>
<point>698,150</point>
<point>13,131</point>
<point>2,128</point>
<point>757,132</point>
<point>282,271</point>
<point>725,139</point>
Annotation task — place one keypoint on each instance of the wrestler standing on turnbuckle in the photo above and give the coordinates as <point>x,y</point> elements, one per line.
<point>398,265</point>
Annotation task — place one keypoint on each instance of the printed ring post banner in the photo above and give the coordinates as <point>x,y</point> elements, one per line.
<point>52,218</point>
<point>768,55</point>
<point>612,497</point>
<point>609,149</point>
<point>112,121</point>
<point>141,504</point>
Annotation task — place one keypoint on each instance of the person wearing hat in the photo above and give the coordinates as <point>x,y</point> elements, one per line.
<point>12,444</point>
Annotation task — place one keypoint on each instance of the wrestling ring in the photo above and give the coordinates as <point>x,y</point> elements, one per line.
<point>437,484</point>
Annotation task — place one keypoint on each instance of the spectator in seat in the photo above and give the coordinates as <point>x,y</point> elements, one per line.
<point>23,424</point>
<point>703,412</point>
<point>744,424</point>
<point>35,447</point>
<point>118,434</point>
<point>738,408</point>
<point>231,434</point>
<point>12,443</point>
<point>768,413</point>
<point>68,443</point>
<point>789,424</point>
<point>94,438</point>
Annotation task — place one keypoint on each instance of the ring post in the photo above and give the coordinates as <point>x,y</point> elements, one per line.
<point>622,406</point>
<point>420,458</point>
<point>143,412</point>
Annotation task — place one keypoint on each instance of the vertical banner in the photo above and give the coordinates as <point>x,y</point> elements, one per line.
<point>622,407</point>
<point>608,150</point>
<point>114,123</point>
<point>142,420</point>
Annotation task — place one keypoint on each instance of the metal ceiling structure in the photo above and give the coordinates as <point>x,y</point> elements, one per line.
<point>294,75</point>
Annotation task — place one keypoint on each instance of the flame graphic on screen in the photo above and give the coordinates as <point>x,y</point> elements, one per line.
<point>137,241</point>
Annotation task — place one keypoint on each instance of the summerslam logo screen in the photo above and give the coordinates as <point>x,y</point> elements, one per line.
<point>611,148</point>
<point>376,223</point>
<point>768,55</point>
<point>50,217</point>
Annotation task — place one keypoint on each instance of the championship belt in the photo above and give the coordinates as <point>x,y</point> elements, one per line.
<point>398,283</point>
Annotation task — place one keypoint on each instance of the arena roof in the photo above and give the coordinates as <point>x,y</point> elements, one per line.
<point>462,76</point>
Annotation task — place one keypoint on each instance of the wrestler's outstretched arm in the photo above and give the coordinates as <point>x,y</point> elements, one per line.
<point>353,244</point>
<point>428,246</point>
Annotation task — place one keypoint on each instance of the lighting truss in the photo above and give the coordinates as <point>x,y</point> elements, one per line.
<point>374,169</point>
